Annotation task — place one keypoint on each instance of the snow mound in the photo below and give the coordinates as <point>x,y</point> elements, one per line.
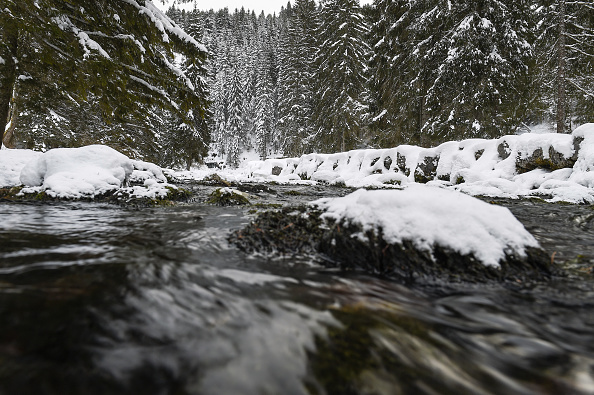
<point>429,216</point>
<point>78,172</point>
<point>11,163</point>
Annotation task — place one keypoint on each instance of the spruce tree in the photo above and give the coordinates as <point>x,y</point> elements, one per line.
<point>341,60</point>
<point>565,56</point>
<point>296,78</point>
<point>103,72</point>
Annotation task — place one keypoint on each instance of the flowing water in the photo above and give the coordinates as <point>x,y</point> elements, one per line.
<point>99,299</point>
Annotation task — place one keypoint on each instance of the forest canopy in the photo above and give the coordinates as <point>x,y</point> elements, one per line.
<point>316,77</point>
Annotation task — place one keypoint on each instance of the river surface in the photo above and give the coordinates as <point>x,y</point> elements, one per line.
<point>100,299</point>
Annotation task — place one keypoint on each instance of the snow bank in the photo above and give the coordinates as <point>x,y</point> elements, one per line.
<point>557,167</point>
<point>11,163</point>
<point>78,172</point>
<point>430,216</point>
<point>74,173</point>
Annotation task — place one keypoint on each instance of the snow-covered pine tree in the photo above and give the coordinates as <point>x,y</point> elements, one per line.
<point>264,111</point>
<point>234,130</point>
<point>462,68</point>
<point>399,70</point>
<point>565,56</point>
<point>479,86</point>
<point>341,80</point>
<point>296,77</point>
<point>99,73</point>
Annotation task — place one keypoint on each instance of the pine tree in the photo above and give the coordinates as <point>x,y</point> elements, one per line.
<point>100,73</point>
<point>341,61</point>
<point>264,121</point>
<point>234,129</point>
<point>463,68</point>
<point>296,77</point>
<point>565,55</point>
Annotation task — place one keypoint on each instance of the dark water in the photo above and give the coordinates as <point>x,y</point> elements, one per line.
<point>96,299</point>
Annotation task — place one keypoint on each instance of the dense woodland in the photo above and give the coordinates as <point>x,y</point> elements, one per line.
<point>317,77</point>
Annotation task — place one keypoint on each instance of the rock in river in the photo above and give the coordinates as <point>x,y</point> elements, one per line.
<point>415,233</point>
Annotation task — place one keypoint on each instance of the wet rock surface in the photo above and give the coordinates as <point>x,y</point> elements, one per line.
<point>294,230</point>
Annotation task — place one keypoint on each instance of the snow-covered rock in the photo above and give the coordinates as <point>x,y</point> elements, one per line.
<point>11,163</point>
<point>429,216</point>
<point>420,232</point>
<point>557,167</point>
<point>85,172</point>
<point>78,172</point>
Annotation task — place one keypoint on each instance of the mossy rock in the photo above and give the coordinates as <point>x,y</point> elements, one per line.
<point>215,180</point>
<point>10,194</point>
<point>302,230</point>
<point>288,230</point>
<point>15,194</point>
<point>227,197</point>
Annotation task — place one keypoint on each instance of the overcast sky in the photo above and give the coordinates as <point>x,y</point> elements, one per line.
<point>268,6</point>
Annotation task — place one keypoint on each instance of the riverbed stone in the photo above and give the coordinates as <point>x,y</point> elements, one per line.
<point>295,230</point>
<point>555,160</point>
<point>427,169</point>
<point>401,164</point>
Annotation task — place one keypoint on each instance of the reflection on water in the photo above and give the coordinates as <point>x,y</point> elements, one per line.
<point>96,299</point>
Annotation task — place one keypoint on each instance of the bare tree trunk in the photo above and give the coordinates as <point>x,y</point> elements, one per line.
<point>561,70</point>
<point>8,73</point>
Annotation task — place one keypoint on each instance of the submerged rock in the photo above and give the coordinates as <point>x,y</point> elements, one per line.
<point>413,234</point>
<point>228,197</point>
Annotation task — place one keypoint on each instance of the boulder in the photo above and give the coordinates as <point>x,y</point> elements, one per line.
<point>553,161</point>
<point>426,169</point>
<point>417,234</point>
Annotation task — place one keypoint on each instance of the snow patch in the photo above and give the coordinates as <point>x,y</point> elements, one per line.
<point>430,216</point>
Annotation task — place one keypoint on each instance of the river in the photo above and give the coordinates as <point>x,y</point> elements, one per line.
<point>102,299</point>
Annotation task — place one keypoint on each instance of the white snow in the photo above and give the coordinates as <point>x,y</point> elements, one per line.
<point>476,162</point>
<point>78,172</point>
<point>430,216</point>
<point>11,164</point>
<point>74,173</point>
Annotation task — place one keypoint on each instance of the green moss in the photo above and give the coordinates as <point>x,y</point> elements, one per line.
<point>339,184</point>
<point>10,193</point>
<point>177,194</point>
<point>226,197</point>
<point>293,193</point>
<point>215,180</point>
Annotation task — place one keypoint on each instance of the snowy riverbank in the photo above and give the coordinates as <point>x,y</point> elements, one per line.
<point>556,167</point>
<point>86,172</point>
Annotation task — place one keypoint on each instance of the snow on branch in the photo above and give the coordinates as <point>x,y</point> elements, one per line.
<point>165,24</point>
<point>155,89</point>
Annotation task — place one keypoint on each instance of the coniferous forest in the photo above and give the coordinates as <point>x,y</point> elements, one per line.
<point>317,77</point>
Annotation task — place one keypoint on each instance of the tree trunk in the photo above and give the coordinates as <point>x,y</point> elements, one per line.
<point>561,70</point>
<point>8,73</point>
